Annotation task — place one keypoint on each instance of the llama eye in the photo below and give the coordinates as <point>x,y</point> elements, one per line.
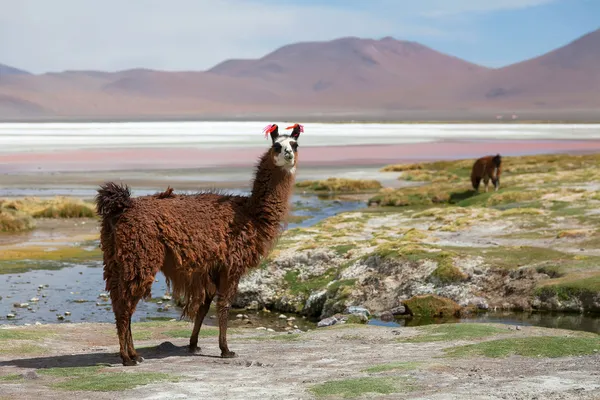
<point>277,147</point>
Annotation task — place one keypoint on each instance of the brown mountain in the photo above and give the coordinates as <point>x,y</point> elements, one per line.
<point>568,77</point>
<point>349,75</point>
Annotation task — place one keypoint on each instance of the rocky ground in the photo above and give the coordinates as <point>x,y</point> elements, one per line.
<point>532,245</point>
<point>466,361</point>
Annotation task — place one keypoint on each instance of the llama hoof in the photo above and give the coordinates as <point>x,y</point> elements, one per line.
<point>194,350</point>
<point>130,363</point>
<point>228,354</point>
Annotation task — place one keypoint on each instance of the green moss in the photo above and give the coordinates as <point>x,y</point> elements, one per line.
<point>456,331</point>
<point>306,286</point>
<point>432,306</point>
<point>544,346</point>
<point>340,185</point>
<point>10,378</point>
<point>22,349</point>
<point>67,372</point>
<point>402,366</point>
<point>351,388</point>
<point>343,248</point>
<point>21,334</point>
<point>566,288</point>
<point>109,382</point>
<point>186,333</point>
<point>446,271</point>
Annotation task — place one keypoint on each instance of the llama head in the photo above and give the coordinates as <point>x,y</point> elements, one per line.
<point>284,147</point>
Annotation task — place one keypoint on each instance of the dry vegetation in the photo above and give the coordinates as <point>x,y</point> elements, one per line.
<point>18,215</point>
<point>340,185</point>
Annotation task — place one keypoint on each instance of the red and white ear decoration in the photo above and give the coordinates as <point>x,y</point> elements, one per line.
<point>269,129</point>
<point>297,129</point>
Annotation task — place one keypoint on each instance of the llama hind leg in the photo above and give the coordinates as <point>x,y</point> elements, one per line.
<point>202,311</point>
<point>226,294</point>
<point>486,182</point>
<point>123,311</point>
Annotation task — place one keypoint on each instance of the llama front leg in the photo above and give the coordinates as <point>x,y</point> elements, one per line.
<point>496,183</point>
<point>202,311</point>
<point>223,305</point>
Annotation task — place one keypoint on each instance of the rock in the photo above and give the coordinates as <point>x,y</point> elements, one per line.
<point>67,313</point>
<point>358,310</point>
<point>34,300</point>
<point>166,297</point>
<point>60,317</point>
<point>10,316</point>
<point>38,323</point>
<point>31,375</point>
<point>159,302</point>
<point>21,305</point>
<point>240,316</point>
<point>261,328</point>
<point>400,310</point>
<point>291,319</point>
<point>282,316</point>
<point>386,316</point>
<point>253,305</point>
<point>327,322</point>
<point>270,330</point>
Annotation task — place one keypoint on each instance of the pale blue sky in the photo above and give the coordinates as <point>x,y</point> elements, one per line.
<point>42,35</point>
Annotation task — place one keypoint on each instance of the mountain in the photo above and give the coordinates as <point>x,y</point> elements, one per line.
<point>568,77</point>
<point>351,77</point>
<point>344,71</point>
<point>7,70</point>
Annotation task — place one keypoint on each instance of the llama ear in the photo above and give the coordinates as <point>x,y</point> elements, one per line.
<point>273,130</point>
<point>297,129</point>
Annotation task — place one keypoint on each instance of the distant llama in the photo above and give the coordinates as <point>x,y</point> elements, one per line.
<point>486,168</point>
<point>203,243</point>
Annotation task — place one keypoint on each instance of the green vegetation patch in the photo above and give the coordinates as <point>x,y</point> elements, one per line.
<point>567,287</point>
<point>351,388</point>
<point>22,349</point>
<point>430,306</point>
<point>395,366</point>
<point>297,285</point>
<point>541,346</point>
<point>340,185</point>
<point>10,378</point>
<point>456,331</point>
<point>109,382</point>
<point>186,333</point>
<point>22,334</point>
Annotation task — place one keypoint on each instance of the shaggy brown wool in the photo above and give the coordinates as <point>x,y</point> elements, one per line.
<point>486,168</point>
<point>203,244</point>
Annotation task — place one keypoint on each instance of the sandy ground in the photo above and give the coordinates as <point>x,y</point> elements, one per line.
<point>287,369</point>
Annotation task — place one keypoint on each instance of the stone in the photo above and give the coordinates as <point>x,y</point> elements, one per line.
<point>10,316</point>
<point>270,330</point>
<point>67,313</point>
<point>261,328</point>
<point>166,297</point>
<point>358,310</point>
<point>282,316</point>
<point>240,316</point>
<point>60,317</point>
<point>386,316</point>
<point>31,375</point>
<point>400,310</point>
<point>34,300</point>
<point>327,322</point>
<point>291,319</point>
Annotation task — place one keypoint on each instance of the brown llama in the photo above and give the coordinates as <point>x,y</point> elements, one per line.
<point>486,168</point>
<point>203,243</point>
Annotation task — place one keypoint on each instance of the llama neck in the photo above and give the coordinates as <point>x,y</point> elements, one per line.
<point>271,192</point>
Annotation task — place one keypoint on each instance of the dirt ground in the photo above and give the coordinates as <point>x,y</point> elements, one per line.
<point>282,366</point>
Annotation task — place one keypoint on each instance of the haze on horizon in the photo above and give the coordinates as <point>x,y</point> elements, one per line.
<point>41,36</point>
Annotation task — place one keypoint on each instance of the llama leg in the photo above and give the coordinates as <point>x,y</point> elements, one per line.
<point>202,311</point>
<point>133,355</point>
<point>486,182</point>
<point>122,322</point>
<point>496,183</point>
<point>223,305</point>
<point>476,182</point>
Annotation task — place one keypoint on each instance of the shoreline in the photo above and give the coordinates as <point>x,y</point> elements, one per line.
<point>206,160</point>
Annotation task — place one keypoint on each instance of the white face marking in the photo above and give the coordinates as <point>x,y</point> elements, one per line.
<point>286,158</point>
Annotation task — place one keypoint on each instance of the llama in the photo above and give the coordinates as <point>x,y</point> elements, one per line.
<point>203,243</point>
<point>486,168</point>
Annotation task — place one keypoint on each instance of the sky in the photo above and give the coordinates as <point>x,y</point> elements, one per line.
<point>110,35</point>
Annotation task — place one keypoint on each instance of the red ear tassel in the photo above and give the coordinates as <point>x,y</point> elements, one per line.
<point>268,129</point>
<point>301,127</point>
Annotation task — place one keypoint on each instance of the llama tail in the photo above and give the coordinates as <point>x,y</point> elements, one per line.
<point>112,200</point>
